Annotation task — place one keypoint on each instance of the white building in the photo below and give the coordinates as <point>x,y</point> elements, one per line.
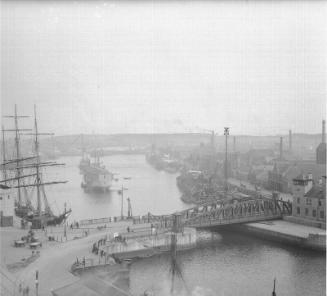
<point>309,200</point>
<point>7,203</point>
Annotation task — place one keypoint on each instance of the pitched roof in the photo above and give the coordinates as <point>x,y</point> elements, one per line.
<point>316,192</point>
<point>321,147</point>
<point>301,177</point>
<point>317,170</point>
<point>292,170</point>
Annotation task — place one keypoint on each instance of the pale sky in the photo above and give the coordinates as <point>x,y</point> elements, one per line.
<point>259,67</point>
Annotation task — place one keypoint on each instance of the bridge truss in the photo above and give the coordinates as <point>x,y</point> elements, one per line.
<point>225,212</point>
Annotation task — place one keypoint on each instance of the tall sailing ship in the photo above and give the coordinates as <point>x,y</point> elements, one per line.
<point>40,214</point>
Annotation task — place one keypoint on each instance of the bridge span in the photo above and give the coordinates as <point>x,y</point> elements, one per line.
<point>226,212</point>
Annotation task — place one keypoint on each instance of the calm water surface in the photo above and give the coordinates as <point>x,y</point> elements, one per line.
<point>149,190</point>
<point>224,263</point>
<point>233,264</point>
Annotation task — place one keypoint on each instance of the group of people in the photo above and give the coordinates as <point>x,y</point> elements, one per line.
<point>81,261</point>
<point>73,225</point>
<point>24,290</point>
<point>96,249</point>
<point>96,246</point>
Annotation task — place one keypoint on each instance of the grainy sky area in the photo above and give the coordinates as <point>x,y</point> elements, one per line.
<point>166,66</point>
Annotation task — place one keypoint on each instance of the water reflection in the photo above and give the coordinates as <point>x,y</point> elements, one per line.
<point>228,263</point>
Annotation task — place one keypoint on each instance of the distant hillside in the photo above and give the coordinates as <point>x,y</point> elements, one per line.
<point>303,144</point>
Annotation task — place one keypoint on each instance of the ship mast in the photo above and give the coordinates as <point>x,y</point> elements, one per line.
<point>4,170</point>
<point>5,180</point>
<point>17,146</point>
<point>37,153</point>
<point>38,164</point>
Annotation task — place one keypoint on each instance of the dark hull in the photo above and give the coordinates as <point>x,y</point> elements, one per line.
<point>23,212</point>
<point>95,189</point>
<point>57,220</point>
<point>46,219</point>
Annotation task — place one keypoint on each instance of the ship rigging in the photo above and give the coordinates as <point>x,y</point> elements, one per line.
<point>39,217</point>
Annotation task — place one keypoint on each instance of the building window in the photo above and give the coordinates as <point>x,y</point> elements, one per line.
<point>298,210</point>
<point>0,197</point>
<point>306,211</point>
<point>319,203</point>
<point>298,200</point>
<point>314,213</point>
<point>322,215</point>
<point>308,201</point>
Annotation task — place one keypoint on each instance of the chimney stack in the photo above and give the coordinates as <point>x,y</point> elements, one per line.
<point>323,135</point>
<point>290,139</point>
<point>281,148</point>
<point>212,140</point>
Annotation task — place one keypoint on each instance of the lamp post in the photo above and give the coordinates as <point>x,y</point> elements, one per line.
<point>122,201</point>
<point>122,197</point>
<point>129,210</point>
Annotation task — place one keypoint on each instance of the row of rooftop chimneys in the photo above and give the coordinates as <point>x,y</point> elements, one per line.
<point>323,139</point>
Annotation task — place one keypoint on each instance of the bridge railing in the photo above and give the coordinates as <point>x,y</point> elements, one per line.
<point>203,222</point>
<point>164,221</point>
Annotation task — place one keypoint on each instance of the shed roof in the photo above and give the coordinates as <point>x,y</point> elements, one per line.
<point>76,288</point>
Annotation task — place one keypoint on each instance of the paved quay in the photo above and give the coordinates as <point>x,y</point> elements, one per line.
<point>288,232</point>
<point>56,259</point>
<point>288,228</point>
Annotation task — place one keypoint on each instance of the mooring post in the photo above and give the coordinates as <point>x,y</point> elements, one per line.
<point>274,293</point>
<point>37,283</point>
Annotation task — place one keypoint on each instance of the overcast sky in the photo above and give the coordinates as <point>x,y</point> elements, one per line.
<point>150,66</point>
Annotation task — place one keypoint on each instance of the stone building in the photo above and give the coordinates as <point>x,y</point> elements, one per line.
<point>6,206</point>
<point>309,200</point>
<point>280,178</point>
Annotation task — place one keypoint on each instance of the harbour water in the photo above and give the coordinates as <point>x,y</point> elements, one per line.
<point>149,190</point>
<point>224,263</point>
<point>230,264</point>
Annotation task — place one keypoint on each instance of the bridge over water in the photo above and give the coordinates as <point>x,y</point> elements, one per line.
<point>226,212</point>
<point>213,213</point>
